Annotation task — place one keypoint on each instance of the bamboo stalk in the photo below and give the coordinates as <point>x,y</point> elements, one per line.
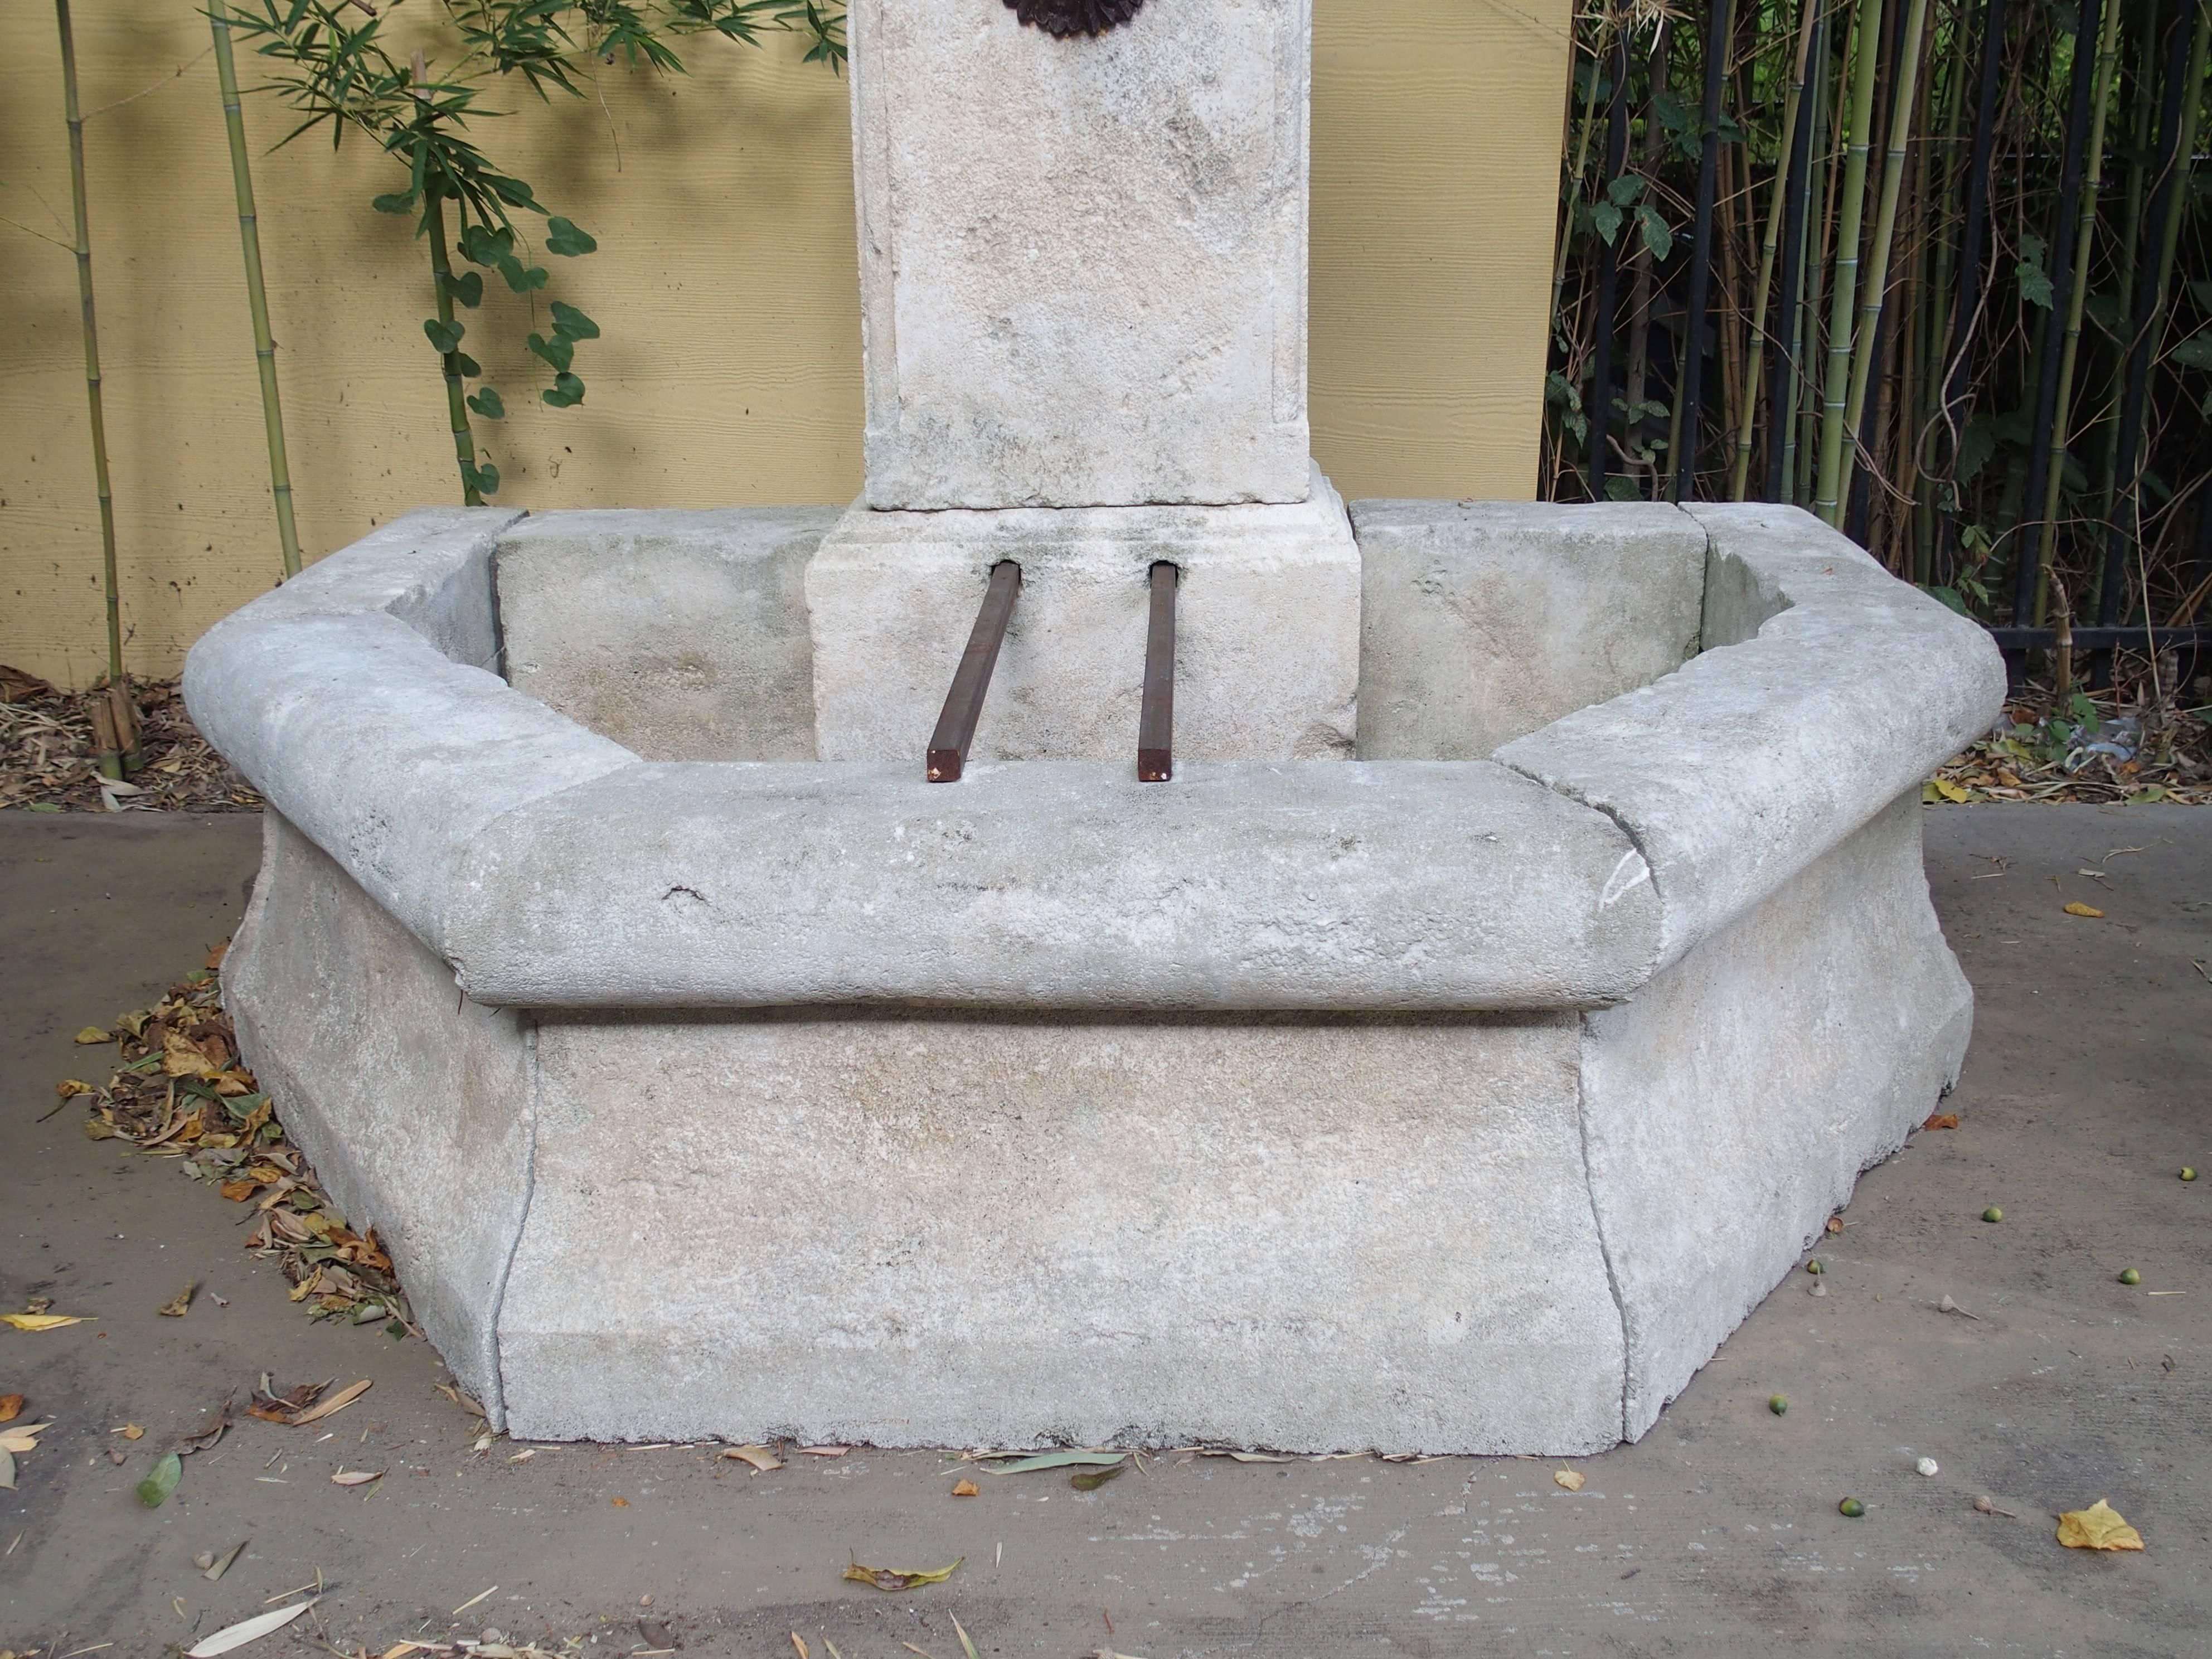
<point>1782,394</point>
<point>2027,563</point>
<point>456,407</point>
<point>2085,236</point>
<point>1582,165</point>
<point>1966,304</point>
<point>1844,295</point>
<point>1640,260</point>
<point>1740,475</point>
<point>2124,534</point>
<point>1598,407</point>
<point>257,294</point>
<point>1885,226</point>
<point>1689,400</point>
<point>120,743</point>
<point>2145,90</point>
<point>2193,83</point>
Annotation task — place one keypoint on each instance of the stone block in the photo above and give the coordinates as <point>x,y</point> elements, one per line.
<point>1729,1107</point>
<point>1083,261</point>
<point>413,1106</point>
<point>1053,885</point>
<point>1266,630</point>
<point>1309,1235</point>
<point>1482,621</point>
<point>683,636</point>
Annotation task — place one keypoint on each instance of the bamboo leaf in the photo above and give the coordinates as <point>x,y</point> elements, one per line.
<point>1061,1459</point>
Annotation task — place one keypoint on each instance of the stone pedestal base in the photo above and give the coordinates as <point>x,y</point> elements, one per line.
<point>1266,630</point>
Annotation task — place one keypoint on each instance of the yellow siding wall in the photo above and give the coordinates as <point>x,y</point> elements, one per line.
<point>725,280</point>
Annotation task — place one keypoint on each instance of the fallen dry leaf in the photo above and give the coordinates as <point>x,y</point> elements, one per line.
<point>460,1400</point>
<point>1941,1120</point>
<point>759,1456</point>
<point>2076,908</point>
<point>1570,1479</point>
<point>890,1578</point>
<point>2097,1527</point>
<point>219,1565</point>
<point>337,1402</point>
<point>38,1322</point>
<point>622,1502</point>
<point>72,1085</point>
<point>797,1643</point>
<point>131,1431</point>
<point>825,1451</point>
<point>249,1630</point>
<point>93,1034</point>
<point>355,1477</point>
<point>25,1439</point>
<point>7,1470</point>
<point>11,1408</point>
<point>966,1489</point>
<point>177,1308</point>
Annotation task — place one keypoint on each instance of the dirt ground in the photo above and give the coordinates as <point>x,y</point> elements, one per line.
<point>2085,1092</point>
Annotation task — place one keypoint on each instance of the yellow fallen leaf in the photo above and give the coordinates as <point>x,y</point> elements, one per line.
<point>797,1643</point>
<point>131,1431</point>
<point>888,1578</point>
<point>759,1456</point>
<point>71,1085</point>
<point>25,1439</point>
<point>1570,1479</point>
<point>93,1034</point>
<point>182,1057</point>
<point>1951,792</point>
<point>966,1489</point>
<point>38,1322</point>
<point>2097,1527</point>
<point>177,1308</point>
<point>2076,908</point>
<point>11,1408</point>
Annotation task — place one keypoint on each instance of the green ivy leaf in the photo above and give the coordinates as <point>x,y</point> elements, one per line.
<point>567,392</point>
<point>558,352</point>
<point>2034,280</point>
<point>484,479</point>
<point>470,367</point>
<point>485,247</point>
<point>2195,352</point>
<point>1605,217</point>
<point>571,324</point>
<point>512,192</point>
<point>446,337</point>
<point>467,287</point>
<point>1620,489</point>
<point>1657,236</point>
<point>522,280</point>
<point>397,202</point>
<point>1625,189</point>
<point>562,237</point>
<point>488,403</point>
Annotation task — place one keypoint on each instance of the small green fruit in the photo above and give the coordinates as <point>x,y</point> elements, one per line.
<point>1993,1213</point>
<point>2130,1276</point>
<point>1813,1267</point>
<point>1852,1507</point>
<point>1779,1404</point>
<point>2187,1173</point>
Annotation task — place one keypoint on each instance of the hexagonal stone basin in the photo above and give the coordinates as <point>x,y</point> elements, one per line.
<point>1452,1080</point>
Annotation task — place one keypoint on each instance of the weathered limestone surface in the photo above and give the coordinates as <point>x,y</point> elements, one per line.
<point>1739,768</point>
<point>337,696</point>
<point>1266,630</point>
<point>415,1110</point>
<point>1730,1107</point>
<point>1082,262</point>
<point>1483,621</point>
<point>681,636</point>
<point>918,1231</point>
<point>1054,885</point>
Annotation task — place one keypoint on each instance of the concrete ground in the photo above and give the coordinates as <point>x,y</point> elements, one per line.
<point>2085,1092</point>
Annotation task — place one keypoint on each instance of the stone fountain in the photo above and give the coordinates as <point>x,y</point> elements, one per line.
<point>1528,951</point>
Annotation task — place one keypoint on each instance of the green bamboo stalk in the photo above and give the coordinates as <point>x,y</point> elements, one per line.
<point>456,407</point>
<point>1740,478</point>
<point>2186,155</point>
<point>112,762</point>
<point>1844,296</point>
<point>1885,230</point>
<point>1941,314</point>
<point>2085,237</point>
<point>2146,100</point>
<point>257,294</point>
<point>1582,163</point>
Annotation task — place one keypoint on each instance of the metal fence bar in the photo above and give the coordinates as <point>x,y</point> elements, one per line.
<point>1156,724</point>
<point>963,704</point>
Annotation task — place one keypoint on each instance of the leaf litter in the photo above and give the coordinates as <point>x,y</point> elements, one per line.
<point>2099,1527</point>
<point>894,1578</point>
<point>180,1090</point>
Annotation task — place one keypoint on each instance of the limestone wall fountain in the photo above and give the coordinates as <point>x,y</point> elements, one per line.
<point>1528,952</point>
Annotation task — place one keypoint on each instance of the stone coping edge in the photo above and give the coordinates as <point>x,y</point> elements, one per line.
<point>552,868</point>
